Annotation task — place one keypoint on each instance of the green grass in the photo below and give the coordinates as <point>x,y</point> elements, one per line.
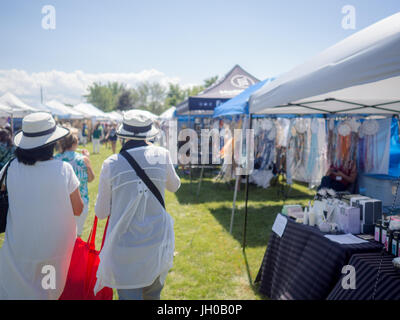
<point>209,262</point>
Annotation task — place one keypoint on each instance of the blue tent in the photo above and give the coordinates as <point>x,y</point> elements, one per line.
<point>240,103</point>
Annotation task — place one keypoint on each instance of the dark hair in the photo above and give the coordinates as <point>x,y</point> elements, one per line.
<point>31,156</point>
<point>5,136</point>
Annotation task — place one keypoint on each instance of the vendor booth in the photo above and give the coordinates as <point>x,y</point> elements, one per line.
<point>199,110</point>
<point>354,85</point>
<point>15,109</point>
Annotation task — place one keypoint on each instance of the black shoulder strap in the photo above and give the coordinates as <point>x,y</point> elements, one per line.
<point>142,175</point>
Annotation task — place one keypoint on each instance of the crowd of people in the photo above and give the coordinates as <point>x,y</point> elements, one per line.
<point>103,132</point>
<point>49,202</point>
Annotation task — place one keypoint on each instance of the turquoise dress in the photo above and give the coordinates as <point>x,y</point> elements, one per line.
<point>75,159</point>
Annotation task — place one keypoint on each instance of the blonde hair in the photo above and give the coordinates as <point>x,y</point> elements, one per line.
<point>69,140</point>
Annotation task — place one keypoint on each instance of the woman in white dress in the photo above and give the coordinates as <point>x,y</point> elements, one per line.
<point>43,199</point>
<point>139,246</point>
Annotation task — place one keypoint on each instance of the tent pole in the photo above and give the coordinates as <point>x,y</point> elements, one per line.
<point>234,202</point>
<point>246,191</point>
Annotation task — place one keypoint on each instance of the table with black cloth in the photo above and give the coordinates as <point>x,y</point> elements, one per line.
<point>366,267</point>
<point>303,264</point>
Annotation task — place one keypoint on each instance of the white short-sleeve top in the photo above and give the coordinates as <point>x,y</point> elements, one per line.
<point>139,243</point>
<point>41,230</point>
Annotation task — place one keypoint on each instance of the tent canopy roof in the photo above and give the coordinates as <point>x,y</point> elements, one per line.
<point>238,104</point>
<point>62,111</point>
<point>168,114</point>
<point>90,110</point>
<point>234,82</point>
<point>359,75</point>
<point>115,116</point>
<point>14,105</point>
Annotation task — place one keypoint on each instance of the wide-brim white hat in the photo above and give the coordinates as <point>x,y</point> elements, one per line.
<point>137,125</point>
<point>39,129</point>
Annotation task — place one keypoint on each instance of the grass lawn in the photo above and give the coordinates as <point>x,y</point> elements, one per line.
<point>209,262</point>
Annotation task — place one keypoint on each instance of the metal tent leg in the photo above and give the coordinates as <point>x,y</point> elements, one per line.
<point>234,203</point>
<point>201,179</point>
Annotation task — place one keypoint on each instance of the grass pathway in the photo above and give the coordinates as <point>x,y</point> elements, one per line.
<point>209,262</point>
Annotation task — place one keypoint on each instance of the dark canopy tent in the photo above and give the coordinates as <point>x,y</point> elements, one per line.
<point>228,87</point>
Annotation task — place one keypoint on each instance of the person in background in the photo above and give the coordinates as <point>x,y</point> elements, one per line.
<point>96,137</point>
<point>112,137</point>
<point>84,134</point>
<point>106,134</point>
<point>339,178</point>
<point>43,196</point>
<point>139,245</point>
<point>6,147</point>
<point>83,169</point>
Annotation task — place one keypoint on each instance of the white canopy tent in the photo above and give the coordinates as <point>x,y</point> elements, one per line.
<point>90,111</point>
<point>62,111</point>
<point>359,75</point>
<point>15,106</point>
<point>168,114</point>
<point>115,116</point>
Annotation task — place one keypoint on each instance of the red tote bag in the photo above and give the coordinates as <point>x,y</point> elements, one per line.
<point>82,271</point>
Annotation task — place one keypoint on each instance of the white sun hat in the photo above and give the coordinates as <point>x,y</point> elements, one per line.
<point>38,129</point>
<point>137,125</point>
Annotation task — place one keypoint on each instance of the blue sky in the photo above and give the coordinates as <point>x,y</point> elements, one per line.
<point>182,41</point>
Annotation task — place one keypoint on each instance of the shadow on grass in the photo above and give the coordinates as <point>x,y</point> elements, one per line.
<point>259,223</point>
<point>254,286</point>
<point>212,191</point>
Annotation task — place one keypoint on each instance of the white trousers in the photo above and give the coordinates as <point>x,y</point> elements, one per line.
<point>80,220</point>
<point>96,145</point>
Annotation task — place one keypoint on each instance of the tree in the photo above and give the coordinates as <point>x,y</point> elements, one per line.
<point>105,97</point>
<point>194,91</point>
<point>127,100</point>
<point>175,95</point>
<point>151,97</point>
<point>210,81</point>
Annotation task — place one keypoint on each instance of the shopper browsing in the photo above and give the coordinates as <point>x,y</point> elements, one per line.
<point>139,245</point>
<point>43,199</point>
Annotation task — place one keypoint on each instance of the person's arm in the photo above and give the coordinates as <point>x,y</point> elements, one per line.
<point>103,202</point>
<point>73,189</point>
<point>76,202</point>
<point>351,178</point>
<point>173,181</point>
<point>90,171</point>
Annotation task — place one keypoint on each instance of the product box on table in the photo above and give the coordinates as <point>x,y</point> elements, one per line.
<point>370,213</point>
<point>349,219</point>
